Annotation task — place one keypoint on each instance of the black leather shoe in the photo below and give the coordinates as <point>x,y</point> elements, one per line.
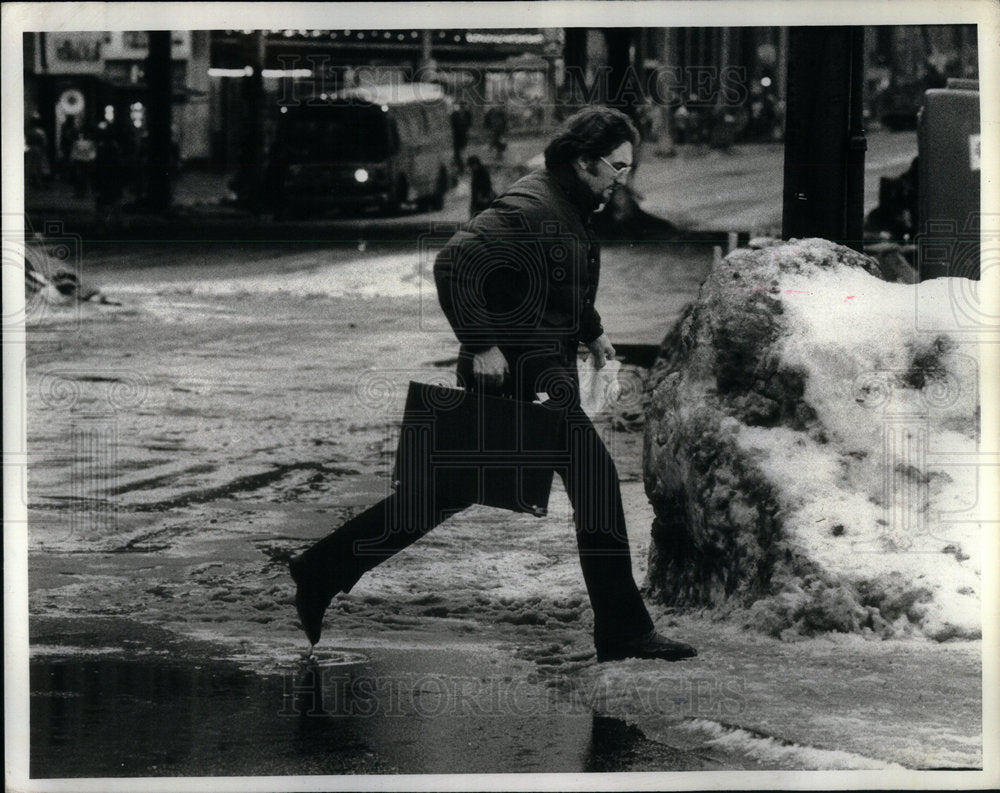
<point>311,600</point>
<point>650,645</point>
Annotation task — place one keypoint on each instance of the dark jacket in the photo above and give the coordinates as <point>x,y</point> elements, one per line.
<point>482,194</point>
<point>523,276</point>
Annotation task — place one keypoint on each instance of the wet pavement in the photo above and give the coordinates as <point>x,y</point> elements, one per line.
<point>156,705</point>
<point>266,363</point>
<point>237,405</point>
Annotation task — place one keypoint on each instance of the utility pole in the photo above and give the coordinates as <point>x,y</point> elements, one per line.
<point>552,49</point>
<point>575,62</point>
<point>824,135</point>
<point>621,85</point>
<point>159,99</point>
<point>781,71</point>
<point>252,161</point>
<point>426,49</point>
<point>857,144</point>
<point>665,94</point>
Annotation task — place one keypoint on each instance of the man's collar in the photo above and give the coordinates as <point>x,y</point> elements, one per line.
<point>575,188</point>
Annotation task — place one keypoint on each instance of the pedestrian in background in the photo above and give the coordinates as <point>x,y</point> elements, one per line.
<point>461,121</point>
<point>37,168</point>
<point>481,193</point>
<point>109,179</point>
<point>140,172</point>
<point>518,288</point>
<point>68,133</point>
<point>496,125</point>
<point>82,157</point>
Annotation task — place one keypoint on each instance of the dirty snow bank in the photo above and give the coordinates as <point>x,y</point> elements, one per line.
<point>393,275</point>
<point>808,440</point>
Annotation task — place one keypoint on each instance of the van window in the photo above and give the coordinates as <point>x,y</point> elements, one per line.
<point>336,133</point>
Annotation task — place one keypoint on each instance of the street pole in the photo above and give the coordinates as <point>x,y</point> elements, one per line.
<point>552,49</point>
<point>619,43</point>
<point>856,146</point>
<point>781,73</point>
<point>824,137</point>
<point>574,62</point>
<point>665,95</point>
<point>252,166</point>
<point>426,53</point>
<point>159,99</point>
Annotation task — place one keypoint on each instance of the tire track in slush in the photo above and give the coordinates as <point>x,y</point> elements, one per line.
<point>241,484</point>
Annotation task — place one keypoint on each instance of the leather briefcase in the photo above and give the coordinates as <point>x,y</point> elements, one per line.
<point>489,450</point>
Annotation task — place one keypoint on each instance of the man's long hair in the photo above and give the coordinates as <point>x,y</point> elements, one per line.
<point>592,132</point>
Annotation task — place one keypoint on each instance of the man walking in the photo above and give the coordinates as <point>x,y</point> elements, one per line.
<point>481,193</point>
<point>461,120</point>
<point>518,287</point>
<point>496,124</point>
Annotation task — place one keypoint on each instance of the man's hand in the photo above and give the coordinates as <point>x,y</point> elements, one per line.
<point>602,350</point>
<point>490,368</point>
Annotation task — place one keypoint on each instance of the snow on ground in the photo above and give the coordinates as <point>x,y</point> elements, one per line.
<point>251,441</point>
<point>767,749</point>
<point>394,275</point>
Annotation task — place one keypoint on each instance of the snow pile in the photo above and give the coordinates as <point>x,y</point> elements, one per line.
<point>809,449</point>
<point>52,293</point>
<point>394,275</point>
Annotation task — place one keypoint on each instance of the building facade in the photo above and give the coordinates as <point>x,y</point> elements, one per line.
<point>513,68</point>
<point>83,78</point>
<point>681,76</point>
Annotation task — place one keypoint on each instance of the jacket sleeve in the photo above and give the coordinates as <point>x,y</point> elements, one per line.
<point>484,290</point>
<point>590,324</point>
<point>455,281</point>
<point>590,321</point>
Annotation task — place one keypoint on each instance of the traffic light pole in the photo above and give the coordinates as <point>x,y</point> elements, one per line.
<point>159,100</point>
<point>824,135</point>
<point>857,145</point>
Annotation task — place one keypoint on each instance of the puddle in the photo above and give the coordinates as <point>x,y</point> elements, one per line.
<point>384,710</point>
<point>114,717</point>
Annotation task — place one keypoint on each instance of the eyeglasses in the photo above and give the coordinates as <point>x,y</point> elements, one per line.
<point>623,171</point>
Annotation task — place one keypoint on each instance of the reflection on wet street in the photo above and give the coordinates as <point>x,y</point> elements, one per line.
<point>151,717</point>
<point>111,716</point>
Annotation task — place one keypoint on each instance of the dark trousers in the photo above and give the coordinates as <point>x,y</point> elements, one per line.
<point>591,481</point>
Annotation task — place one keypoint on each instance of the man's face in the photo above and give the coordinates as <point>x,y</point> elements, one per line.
<point>603,175</point>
